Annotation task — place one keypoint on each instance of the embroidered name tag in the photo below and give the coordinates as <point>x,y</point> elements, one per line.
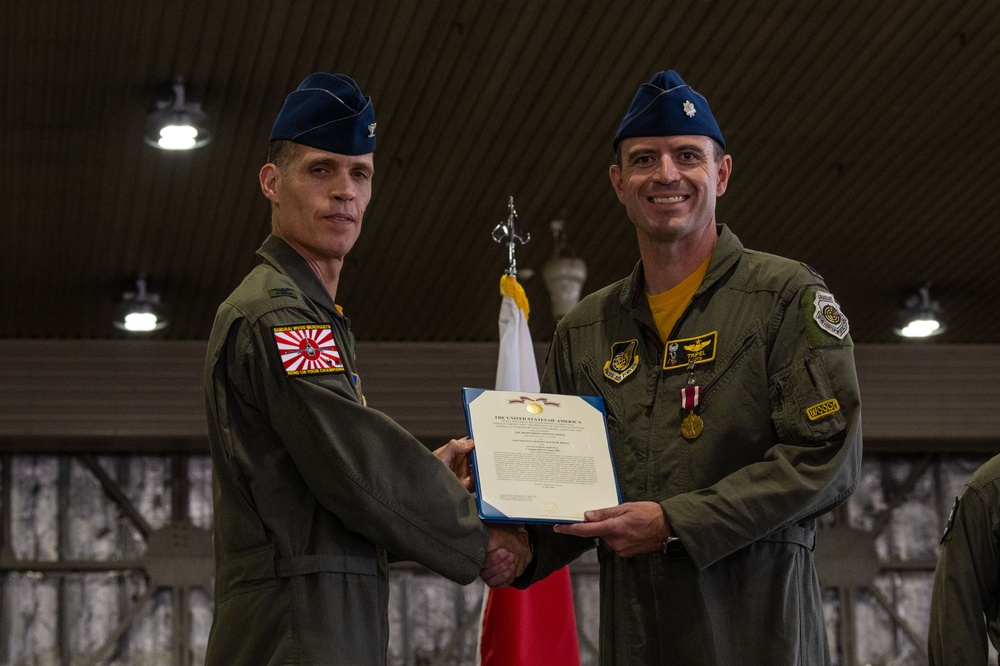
<point>823,409</point>
<point>681,353</point>
<point>308,349</point>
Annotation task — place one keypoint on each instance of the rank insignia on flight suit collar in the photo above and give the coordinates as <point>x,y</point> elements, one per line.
<point>624,360</point>
<point>282,292</point>
<point>687,351</point>
<point>308,349</point>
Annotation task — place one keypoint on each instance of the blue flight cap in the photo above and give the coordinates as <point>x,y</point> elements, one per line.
<point>329,112</point>
<point>666,106</point>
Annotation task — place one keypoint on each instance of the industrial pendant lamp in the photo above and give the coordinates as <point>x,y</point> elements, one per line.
<point>140,310</point>
<point>919,316</point>
<point>177,124</point>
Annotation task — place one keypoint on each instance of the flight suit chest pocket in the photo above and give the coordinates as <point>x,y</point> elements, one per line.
<point>614,406</point>
<point>805,403</point>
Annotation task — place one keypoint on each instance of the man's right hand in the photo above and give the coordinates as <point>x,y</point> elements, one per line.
<point>508,553</point>
<point>456,456</point>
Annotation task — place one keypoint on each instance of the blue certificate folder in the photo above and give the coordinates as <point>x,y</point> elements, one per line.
<point>544,458</point>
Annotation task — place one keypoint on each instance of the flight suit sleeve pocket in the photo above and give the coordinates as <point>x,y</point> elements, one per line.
<point>805,407</point>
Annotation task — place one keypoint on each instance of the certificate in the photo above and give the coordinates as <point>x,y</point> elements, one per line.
<point>540,457</point>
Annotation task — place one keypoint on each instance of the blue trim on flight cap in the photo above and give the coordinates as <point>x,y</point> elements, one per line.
<point>329,112</point>
<point>658,109</point>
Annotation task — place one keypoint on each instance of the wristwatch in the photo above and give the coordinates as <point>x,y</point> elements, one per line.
<point>673,548</point>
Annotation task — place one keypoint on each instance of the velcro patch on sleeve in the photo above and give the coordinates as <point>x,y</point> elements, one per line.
<point>825,322</point>
<point>308,349</point>
<point>823,409</point>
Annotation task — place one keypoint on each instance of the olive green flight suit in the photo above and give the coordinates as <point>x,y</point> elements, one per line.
<point>311,487</point>
<point>965,604</point>
<point>781,445</point>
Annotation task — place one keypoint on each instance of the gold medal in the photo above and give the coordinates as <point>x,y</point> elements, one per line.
<point>691,426</point>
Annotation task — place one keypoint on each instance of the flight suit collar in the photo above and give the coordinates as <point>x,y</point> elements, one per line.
<point>727,252</point>
<point>286,260</point>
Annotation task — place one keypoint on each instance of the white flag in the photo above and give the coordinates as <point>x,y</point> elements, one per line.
<point>516,368</point>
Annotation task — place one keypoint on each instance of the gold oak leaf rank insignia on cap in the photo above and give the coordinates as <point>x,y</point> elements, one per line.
<point>624,360</point>
<point>308,349</point>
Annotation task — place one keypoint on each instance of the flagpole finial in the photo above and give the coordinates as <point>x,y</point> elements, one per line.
<point>508,232</point>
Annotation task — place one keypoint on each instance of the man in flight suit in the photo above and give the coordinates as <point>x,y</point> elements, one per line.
<point>312,489</point>
<point>733,410</point>
<point>965,604</point>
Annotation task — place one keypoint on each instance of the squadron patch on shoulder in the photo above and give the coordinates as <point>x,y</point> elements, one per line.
<point>308,349</point>
<point>829,316</point>
<point>699,349</point>
<point>951,519</point>
<point>624,360</point>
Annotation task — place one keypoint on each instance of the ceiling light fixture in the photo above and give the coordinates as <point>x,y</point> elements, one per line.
<point>564,274</point>
<point>919,316</point>
<point>176,124</point>
<point>140,310</point>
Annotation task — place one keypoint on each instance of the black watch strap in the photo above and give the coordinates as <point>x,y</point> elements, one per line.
<point>673,548</point>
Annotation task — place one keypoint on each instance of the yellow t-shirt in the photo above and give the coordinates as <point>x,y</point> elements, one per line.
<point>669,306</point>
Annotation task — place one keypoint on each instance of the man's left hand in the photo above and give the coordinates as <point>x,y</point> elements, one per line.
<point>633,528</point>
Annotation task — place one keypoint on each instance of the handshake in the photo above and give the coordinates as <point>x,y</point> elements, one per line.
<point>507,554</point>
<point>508,551</point>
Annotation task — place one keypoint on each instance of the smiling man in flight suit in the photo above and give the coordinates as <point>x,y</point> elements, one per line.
<point>313,490</point>
<point>733,410</point>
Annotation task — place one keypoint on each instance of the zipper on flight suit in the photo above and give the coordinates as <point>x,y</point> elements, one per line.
<point>746,344</point>
<point>674,333</point>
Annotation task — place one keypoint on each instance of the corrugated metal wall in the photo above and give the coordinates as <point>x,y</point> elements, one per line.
<point>88,395</point>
